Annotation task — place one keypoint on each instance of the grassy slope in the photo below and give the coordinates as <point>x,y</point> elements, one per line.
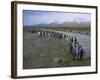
<point>50,48</point>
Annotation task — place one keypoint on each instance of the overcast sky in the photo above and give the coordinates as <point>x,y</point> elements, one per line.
<point>41,17</point>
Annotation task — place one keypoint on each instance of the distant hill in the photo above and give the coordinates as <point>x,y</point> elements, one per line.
<point>65,24</point>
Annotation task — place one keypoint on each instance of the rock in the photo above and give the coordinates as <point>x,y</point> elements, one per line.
<point>63,60</point>
<point>42,55</point>
<point>59,60</point>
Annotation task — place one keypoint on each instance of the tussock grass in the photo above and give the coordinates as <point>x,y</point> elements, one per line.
<point>34,46</point>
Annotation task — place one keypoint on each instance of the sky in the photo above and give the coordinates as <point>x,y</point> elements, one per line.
<point>31,17</point>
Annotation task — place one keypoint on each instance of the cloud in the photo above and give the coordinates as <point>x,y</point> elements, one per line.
<point>38,17</point>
